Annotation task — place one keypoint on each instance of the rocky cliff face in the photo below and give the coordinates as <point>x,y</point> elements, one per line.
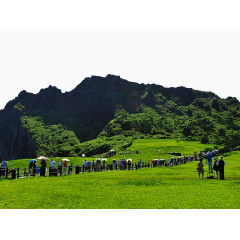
<point>15,142</point>
<point>86,110</point>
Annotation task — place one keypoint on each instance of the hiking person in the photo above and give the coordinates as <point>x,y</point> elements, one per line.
<point>209,158</point>
<point>60,167</point>
<point>65,167</point>
<point>43,168</point>
<point>103,164</point>
<point>129,164</point>
<point>4,164</point>
<point>71,168</point>
<point>140,163</point>
<point>119,164</point>
<point>200,168</point>
<point>85,165</point>
<point>34,166</point>
<point>221,165</point>
<point>3,167</point>
<point>215,165</point>
<point>89,165</point>
<point>93,165</point>
<point>52,163</point>
<point>115,164</point>
<point>30,167</point>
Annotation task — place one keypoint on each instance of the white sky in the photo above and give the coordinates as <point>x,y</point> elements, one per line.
<point>206,61</point>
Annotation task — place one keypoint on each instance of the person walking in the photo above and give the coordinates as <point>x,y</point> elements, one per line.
<point>71,168</point>
<point>221,165</point>
<point>30,167</point>
<point>65,167</point>
<point>200,168</point>
<point>52,163</point>
<point>209,158</point>
<point>4,164</point>
<point>34,168</point>
<point>215,166</point>
<point>60,167</point>
<point>43,168</point>
<point>139,163</point>
<point>93,165</point>
<point>3,167</point>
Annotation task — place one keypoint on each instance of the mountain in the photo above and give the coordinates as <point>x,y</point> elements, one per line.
<point>105,112</point>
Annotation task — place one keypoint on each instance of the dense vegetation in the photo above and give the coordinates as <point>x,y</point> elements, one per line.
<point>206,120</point>
<point>52,139</point>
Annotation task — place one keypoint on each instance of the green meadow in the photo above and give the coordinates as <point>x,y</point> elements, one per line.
<point>175,187</point>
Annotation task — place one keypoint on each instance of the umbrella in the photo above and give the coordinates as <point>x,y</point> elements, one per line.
<point>129,159</point>
<point>83,155</point>
<point>33,160</point>
<point>101,159</point>
<point>43,158</point>
<point>65,159</point>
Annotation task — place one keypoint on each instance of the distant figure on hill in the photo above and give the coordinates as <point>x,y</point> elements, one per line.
<point>200,168</point>
<point>221,165</point>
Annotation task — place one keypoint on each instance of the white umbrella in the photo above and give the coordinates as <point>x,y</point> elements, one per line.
<point>101,159</point>
<point>43,158</point>
<point>65,159</point>
<point>129,159</point>
<point>83,155</point>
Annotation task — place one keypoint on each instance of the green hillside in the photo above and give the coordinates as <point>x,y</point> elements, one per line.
<point>104,113</point>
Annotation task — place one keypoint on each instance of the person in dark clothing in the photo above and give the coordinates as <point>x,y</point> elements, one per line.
<point>71,168</point>
<point>34,168</point>
<point>43,168</point>
<point>215,166</point>
<point>221,165</point>
<point>30,167</point>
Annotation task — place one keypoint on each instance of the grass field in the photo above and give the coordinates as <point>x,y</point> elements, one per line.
<point>176,187</point>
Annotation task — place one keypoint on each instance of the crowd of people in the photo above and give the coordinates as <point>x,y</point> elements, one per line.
<point>124,164</point>
<point>217,166</point>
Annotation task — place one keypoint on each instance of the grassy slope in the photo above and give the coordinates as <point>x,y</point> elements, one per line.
<point>172,187</point>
